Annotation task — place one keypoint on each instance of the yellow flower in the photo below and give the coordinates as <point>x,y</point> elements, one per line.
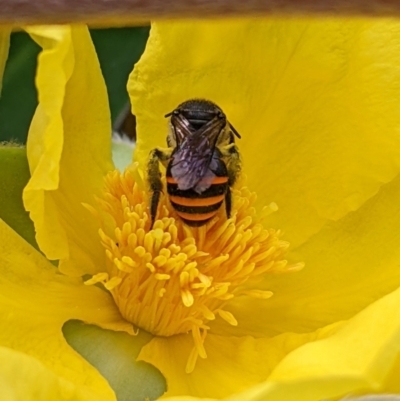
<point>316,103</point>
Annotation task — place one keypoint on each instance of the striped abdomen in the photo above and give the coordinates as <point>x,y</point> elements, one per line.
<point>193,208</point>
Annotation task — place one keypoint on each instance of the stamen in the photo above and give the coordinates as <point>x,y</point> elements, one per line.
<point>112,283</point>
<point>97,278</point>
<point>260,294</point>
<point>174,279</point>
<point>191,363</point>
<point>228,317</point>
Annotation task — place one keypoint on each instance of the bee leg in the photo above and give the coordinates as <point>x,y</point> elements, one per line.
<point>228,202</point>
<point>155,198</point>
<point>232,157</point>
<point>154,179</point>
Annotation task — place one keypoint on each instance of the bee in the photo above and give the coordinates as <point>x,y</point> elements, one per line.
<point>202,163</point>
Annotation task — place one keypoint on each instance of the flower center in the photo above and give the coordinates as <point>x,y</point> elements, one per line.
<point>174,278</point>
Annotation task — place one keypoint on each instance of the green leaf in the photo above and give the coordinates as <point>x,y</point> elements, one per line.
<point>14,174</point>
<point>18,100</point>
<point>114,355</point>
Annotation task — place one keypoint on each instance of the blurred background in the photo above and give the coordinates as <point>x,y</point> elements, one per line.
<point>118,50</point>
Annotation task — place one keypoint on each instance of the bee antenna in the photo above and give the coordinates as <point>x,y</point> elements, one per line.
<point>234,131</point>
<point>175,112</point>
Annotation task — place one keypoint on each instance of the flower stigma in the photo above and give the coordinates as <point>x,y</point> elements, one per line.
<point>175,279</point>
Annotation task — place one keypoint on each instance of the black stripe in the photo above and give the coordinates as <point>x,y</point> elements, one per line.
<point>196,209</point>
<point>213,190</point>
<point>196,223</point>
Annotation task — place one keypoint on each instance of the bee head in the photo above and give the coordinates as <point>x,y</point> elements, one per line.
<point>192,115</point>
<point>197,112</point>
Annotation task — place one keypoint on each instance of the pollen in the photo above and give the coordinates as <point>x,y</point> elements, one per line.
<point>175,279</point>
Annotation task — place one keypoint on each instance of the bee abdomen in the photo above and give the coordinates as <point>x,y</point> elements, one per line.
<point>197,203</point>
<point>197,209</point>
<point>196,219</point>
<point>204,211</point>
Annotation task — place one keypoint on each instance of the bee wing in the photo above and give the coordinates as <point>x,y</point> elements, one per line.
<point>181,127</point>
<point>212,130</point>
<point>191,161</point>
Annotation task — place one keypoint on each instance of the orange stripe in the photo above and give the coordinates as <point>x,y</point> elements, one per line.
<point>220,180</point>
<point>216,180</point>
<point>196,216</point>
<point>212,200</point>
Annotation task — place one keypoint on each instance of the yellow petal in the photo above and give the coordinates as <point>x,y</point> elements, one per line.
<point>357,359</point>
<point>315,100</point>
<point>4,45</point>
<point>233,364</point>
<point>35,302</point>
<point>69,147</point>
<point>351,358</point>
<point>349,264</point>
<point>23,377</point>
<point>392,383</point>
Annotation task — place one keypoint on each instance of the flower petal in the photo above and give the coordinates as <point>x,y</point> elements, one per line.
<point>351,358</point>
<point>233,364</point>
<point>122,149</point>
<point>35,302</point>
<point>349,264</point>
<point>69,147</point>
<point>39,382</point>
<point>4,45</point>
<point>315,100</point>
<point>356,359</point>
